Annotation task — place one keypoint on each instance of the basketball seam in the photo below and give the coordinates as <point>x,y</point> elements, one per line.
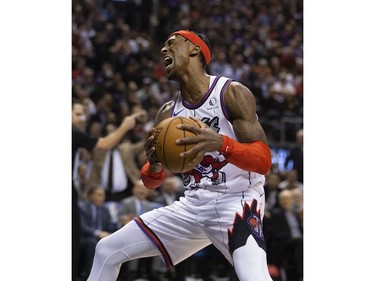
<point>183,160</point>
<point>166,131</point>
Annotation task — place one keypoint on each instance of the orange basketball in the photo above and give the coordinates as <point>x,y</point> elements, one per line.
<point>167,151</point>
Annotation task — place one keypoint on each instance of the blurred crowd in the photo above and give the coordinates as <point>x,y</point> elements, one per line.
<point>117,70</point>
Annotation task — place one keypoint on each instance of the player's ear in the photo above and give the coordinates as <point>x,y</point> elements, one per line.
<point>195,51</point>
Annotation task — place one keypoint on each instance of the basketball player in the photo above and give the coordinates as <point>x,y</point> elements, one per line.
<point>226,205</point>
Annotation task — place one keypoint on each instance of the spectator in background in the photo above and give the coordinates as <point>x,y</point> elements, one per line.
<point>136,204</point>
<point>171,190</point>
<point>95,129</point>
<point>296,155</point>
<point>96,224</point>
<point>298,202</point>
<point>148,90</point>
<point>116,169</point>
<point>81,139</point>
<point>279,91</point>
<point>86,158</point>
<point>287,240</point>
<point>103,108</point>
<point>80,183</point>
<point>90,108</point>
<point>238,68</point>
<point>291,181</point>
<point>220,66</point>
<point>272,190</point>
<point>81,171</point>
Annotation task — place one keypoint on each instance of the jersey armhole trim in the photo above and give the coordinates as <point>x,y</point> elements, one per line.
<point>222,102</point>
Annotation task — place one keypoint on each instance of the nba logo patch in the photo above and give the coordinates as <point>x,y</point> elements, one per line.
<point>212,101</point>
<point>212,104</point>
<point>255,226</point>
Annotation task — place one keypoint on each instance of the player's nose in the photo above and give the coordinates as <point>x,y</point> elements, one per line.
<point>163,50</point>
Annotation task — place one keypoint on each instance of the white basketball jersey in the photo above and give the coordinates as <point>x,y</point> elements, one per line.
<point>214,172</point>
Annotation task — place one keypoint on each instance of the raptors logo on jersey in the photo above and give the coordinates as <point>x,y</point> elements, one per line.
<point>208,168</point>
<point>214,172</point>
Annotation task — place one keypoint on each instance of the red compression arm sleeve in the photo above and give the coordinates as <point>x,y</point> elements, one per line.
<point>252,157</point>
<point>150,179</point>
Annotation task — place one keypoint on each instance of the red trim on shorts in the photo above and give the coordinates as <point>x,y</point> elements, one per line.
<point>150,234</point>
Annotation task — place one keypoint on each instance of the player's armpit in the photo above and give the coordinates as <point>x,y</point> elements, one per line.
<point>252,157</point>
<point>150,179</point>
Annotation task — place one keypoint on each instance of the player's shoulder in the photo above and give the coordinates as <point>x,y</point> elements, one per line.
<point>238,97</point>
<point>233,87</point>
<point>237,91</point>
<point>168,106</point>
<point>237,87</point>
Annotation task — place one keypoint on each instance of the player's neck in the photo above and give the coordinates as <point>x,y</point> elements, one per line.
<point>193,87</point>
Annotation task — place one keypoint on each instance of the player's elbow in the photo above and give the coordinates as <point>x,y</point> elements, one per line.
<point>265,161</point>
<point>266,166</point>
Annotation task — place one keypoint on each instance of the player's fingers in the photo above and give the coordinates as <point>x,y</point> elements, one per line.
<point>149,143</point>
<point>150,152</point>
<point>197,158</point>
<point>204,137</point>
<point>150,138</point>
<point>192,151</point>
<point>152,158</point>
<point>151,132</point>
<point>190,128</point>
<point>199,122</point>
<point>188,140</point>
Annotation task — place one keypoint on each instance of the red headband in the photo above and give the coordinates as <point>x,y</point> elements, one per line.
<point>195,39</point>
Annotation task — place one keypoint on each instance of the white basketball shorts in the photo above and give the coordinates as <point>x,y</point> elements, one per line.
<point>203,217</point>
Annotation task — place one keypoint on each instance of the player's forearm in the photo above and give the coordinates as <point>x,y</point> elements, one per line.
<point>252,157</point>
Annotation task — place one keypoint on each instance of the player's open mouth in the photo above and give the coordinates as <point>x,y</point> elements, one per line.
<point>167,62</point>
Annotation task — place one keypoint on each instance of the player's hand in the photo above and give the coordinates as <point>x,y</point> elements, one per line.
<point>207,140</point>
<point>155,165</point>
